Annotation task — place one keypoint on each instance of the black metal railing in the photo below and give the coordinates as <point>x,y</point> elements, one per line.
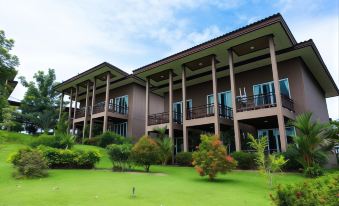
<point>225,112</point>
<point>262,101</point>
<point>81,112</point>
<point>200,111</point>
<point>115,108</point>
<point>159,118</point>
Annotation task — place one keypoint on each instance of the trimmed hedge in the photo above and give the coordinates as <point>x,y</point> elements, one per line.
<point>107,138</point>
<point>65,158</point>
<point>321,191</point>
<point>57,141</point>
<point>184,158</point>
<point>246,161</point>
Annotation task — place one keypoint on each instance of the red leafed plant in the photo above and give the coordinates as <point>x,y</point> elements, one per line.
<point>211,157</point>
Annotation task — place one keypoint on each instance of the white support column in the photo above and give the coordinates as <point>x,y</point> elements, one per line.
<point>184,109</point>
<point>215,98</point>
<point>170,103</point>
<point>234,103</point>
<point>108,79</point>
<point>86,110</point>
<point>147,104</point>
<point>75,108</point>
<point>92,107</point>
<point>61,105</point>
<point>70,111</point>
<point>280,115</point>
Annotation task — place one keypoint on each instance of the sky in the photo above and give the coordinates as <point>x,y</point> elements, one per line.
<point>73,36</point>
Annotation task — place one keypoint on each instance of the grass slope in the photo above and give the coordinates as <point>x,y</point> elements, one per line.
<point>165,186</point>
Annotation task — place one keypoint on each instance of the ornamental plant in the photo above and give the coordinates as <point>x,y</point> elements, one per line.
<point>145,152</point>
<point>211,157</point>
<point>119,155</point>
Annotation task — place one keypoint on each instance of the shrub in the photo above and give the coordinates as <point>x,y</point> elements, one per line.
<point>119,155</point>
<point>145,152</point>
<point>315,171</point>
<point>246,160</point>
<point>58,141</point>
<point>92,141</point>
<point>110,138</point>
<point>292,157</point>
<point>30,163</point>
<point>65,158</point>
<point>184,158</point>
<point>165,149</point>
<point>211,157</point>
<point>321,191</point>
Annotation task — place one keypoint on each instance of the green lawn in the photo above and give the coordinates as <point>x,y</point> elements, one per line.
<point>164,186</point>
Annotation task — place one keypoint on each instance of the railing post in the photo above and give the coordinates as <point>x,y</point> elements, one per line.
<point>70,111</point>
<point>108,79</point>
<point>75,107</point>
<point>281,121</point>
<point>92,106</point>
<point>234,104</point>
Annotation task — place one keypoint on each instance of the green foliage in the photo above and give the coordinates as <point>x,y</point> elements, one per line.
<point>8,122</point>
<point>57,141</point>
<point>145,152</point>
<point>315,171</point>
<point>292,164</point>
<point>14,137</point>
<point>165,145</point>
<point>110,138</point>
<point>65,158</point>
<point>314,140</point>
<point>273,163</point>
<point>61,127</point>
<point>184,158</point>
<point>92,141</point>
<point>40,104</point>
<point>30,163</point>
<point>246,161</point>
<point>211,157</point>
<point>120,156</point>
<point>318,192</point>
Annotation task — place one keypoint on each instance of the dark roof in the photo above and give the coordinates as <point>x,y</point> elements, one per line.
<point>254,26</point>
<point>92,70</point>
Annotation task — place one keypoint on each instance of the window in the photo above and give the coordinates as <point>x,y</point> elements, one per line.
<point>121,104</point>
<point>264,93</point>
<point>120,128</point>
<point>224,100</point>
<point>177,110</point>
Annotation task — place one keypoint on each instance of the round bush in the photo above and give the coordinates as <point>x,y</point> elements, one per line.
<point>246,161</point>
<point>313,172</point>
<point>119,155</point>
<point>110,138</point>
<point>30,163</point>
<point>184,159</point>
<point>145,152</point>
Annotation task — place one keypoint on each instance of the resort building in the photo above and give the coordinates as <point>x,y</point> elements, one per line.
<point>251,80</point>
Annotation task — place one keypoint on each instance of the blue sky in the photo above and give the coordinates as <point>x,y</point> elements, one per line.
<point>72,36</point>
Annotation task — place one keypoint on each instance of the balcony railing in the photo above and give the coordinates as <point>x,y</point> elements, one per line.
<point>159,118</point>
<point>114,108</point>
<point>262,101</point>
<point>200,111</point>
<point>81,112</point>
<point>225,112</point>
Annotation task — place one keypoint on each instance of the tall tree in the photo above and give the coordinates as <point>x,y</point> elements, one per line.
<point>40,103</point>
<point>8,62</point>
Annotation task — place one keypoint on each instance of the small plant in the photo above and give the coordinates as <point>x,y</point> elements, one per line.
<point>184,158</point>
<point>246,161</point>
<point>30,163</point>
<point>110,138</point>
<point>315,171</point>
<point>145,152</point>
<point>211,157</point>
<point>165,145</point>
<point>273,163</point>
<point>119,155</point>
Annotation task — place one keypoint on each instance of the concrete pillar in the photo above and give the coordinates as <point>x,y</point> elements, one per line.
<point>108,79</point>
<point>70,111</point>
<point>170,103</point>
<point>184,109</point>
<point>147,104</point>
<point>61,105</point>
<point>234,105</point>
<point>215,98</point>
<point>75,107</point>
<point>86,110</point>
<point>280,115</point>
<point>92,107</point>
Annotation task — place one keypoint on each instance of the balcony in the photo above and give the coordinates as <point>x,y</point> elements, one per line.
<point>81,112</point>
<point>208,110</point>
<point>159,118</point>
<point>262,101</point>
<point>114,108</point>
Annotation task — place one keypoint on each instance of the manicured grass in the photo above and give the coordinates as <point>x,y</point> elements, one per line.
<point>164,186</point>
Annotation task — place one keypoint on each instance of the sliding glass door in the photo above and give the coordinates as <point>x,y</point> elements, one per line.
<point>264,93</point>
<point>121,104</point>
<point>224,100</point>
<point>177,110</point>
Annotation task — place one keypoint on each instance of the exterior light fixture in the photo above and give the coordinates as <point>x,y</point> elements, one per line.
<point>252,47</point>
<point>200,64</point>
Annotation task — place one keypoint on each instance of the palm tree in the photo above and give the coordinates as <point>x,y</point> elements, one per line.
<point>165,144</point>
<point>313,140</point>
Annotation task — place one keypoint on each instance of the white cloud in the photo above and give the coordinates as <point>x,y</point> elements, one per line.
<point>324,32</point>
